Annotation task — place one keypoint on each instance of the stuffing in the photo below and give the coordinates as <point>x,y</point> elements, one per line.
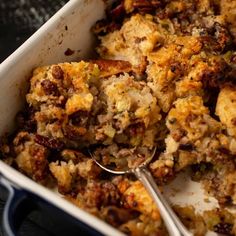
<point>144,225</point>
<point>190,118</point>
<point>220,221</point>
<point>61,98</point>
<point>50,85</point>
<point>164,77</point>
<point>72,168</point>
<point>226,108</point>
<point>99,193</point>
<point>31,158</point>
<point>63,173</point>
<point>94,109</point>
<point>88,169</point>
<point>227,9</point>
<point>113,67</point>
<point>191,219</point>
<point>137,37</point>
<point>181,68</point>
<point>131,109</point>
<point>136,197</point>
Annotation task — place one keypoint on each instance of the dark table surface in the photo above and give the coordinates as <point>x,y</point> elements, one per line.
<point>18,20</point>
<point>21,18</point>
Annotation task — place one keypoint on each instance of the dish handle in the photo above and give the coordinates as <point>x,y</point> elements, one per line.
<point>21,203</point>
<point>15,210</point>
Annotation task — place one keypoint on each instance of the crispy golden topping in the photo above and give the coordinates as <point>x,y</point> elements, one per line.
<point>165,77</point>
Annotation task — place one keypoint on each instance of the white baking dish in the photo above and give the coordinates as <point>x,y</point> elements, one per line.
<point>69,28</point>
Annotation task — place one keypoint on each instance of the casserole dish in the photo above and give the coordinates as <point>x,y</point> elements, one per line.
<point>47,45</point>
<point>67,31</point>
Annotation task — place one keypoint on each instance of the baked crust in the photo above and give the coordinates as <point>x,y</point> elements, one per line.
<point>165,77</point>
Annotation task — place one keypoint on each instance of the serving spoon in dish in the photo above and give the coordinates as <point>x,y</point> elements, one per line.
<point>173,224</point>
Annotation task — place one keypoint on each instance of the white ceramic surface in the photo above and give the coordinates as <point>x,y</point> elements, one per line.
<point>69,28</point>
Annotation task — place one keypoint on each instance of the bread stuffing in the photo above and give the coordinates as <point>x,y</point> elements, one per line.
<point>164,76</point>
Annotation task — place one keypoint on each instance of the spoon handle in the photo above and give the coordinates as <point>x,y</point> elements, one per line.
<point>174,226</point>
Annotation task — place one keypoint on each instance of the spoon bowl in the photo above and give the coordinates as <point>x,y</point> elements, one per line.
<point>124,170</point>
<point>173,224</point>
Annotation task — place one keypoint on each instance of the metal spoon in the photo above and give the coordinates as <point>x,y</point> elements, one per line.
<point>173,224</point>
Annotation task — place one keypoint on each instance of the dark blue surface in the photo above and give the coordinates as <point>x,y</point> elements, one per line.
<point>48,219</point>
<point>21,18</point>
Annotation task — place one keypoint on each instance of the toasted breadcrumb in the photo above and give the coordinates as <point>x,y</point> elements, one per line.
<point>164,77</point>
